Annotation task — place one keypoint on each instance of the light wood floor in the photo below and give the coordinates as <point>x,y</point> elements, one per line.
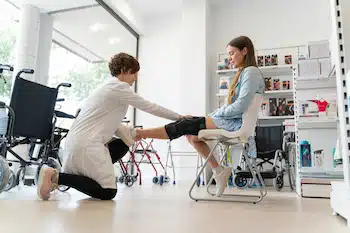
<point>154,209</point>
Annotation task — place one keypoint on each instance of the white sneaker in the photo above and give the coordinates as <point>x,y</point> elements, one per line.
<point>45,184</point>
<point>125,134</point>
<point>221,180</point>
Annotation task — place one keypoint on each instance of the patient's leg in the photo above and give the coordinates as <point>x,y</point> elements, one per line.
<point>186,126</point>
<point>203,149</point>
<point>221,173</point>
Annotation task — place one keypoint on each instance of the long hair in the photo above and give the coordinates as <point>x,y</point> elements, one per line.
<point>249,60</point>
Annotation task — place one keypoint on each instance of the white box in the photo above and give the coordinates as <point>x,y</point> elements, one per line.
<point>325,67</point>
<point>309,69</point>
<point>319,49</point>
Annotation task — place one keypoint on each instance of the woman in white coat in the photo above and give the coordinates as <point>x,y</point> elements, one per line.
<point>88,166</point>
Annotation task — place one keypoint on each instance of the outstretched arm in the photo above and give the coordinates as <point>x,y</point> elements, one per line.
<point>131,98</point>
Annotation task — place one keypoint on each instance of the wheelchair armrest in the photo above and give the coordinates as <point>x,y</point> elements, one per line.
<point>64,115</point>
<point>139,126</point>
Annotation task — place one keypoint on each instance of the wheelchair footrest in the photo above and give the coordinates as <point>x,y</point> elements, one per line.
<point>265,174</point>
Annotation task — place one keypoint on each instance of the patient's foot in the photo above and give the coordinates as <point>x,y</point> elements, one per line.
<point>221,179</point>
<point>47,182</point>
<point>126,134</point>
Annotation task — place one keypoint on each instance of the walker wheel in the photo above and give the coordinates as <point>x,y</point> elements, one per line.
<point>129,181</point>
<point>166,179</point>
<point>155,180</point>
<point>278,182</point>
<point>198,181</point>
<point>4,173</point>
<point>241,182</point>
<point>161,180</point>
<point>12,181</point>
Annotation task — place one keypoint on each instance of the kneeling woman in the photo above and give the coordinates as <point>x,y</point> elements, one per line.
<point>88,165</point>
<point>247,83</point>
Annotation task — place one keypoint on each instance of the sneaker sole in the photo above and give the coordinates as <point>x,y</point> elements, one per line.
<point>40,181</point>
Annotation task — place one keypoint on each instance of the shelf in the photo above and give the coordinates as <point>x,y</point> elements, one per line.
<point>324,83</point>
<point>226,71</point>
<point>314,172</point>
<point>279,92</point>
<point>274,92</point>
<point>266,70</point>
<point>276,70</point>
<point>317,122</point>
<point>275,117</point>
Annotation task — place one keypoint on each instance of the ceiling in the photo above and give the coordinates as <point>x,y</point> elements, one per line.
<point>46,6</point>
<point>95,38</point>
<point>99,35</point>
<point>151,7</point>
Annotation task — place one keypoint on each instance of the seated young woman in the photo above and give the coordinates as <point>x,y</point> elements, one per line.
<point>247,82</point>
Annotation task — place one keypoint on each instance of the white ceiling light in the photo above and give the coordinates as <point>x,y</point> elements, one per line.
<point>97,27</point>
<point>114,40</point>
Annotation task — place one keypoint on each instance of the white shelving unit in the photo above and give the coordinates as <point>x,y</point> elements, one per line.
<point>340,15</point>
<point>319,130</point>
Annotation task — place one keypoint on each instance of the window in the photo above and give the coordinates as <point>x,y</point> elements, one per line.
<point>82,75</point>
<point>8,33</point>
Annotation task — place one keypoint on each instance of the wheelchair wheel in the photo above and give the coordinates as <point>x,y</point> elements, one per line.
<point>4,173</point>
<point>20,177</point>
<point>12,181</point>
<point>241,182</point>
<point>278,182</point>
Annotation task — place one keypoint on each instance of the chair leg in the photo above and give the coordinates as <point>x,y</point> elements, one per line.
<point>255,174</point>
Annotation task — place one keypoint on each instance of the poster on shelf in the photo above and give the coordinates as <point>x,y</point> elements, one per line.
<point>224,84</point>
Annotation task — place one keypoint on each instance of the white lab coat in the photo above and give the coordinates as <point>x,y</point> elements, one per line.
<point>101,114</point>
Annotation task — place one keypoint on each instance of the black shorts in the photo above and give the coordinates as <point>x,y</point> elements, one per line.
<point>117,149</point>
<point>186,126</point>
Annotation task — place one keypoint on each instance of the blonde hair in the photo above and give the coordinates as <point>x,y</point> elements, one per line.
<point>249,60</point>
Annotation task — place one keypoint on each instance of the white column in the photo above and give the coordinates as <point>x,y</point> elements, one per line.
<point>27,39</point>
<point>42,66</point>
<point>193,78</point>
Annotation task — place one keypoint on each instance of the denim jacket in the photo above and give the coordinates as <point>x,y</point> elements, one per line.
<point>250,82</point>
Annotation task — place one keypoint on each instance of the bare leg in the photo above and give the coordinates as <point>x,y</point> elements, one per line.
<point>203,149</point>
<point>160,132</point>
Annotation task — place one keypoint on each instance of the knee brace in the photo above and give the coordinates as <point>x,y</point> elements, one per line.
<point>186,126</point>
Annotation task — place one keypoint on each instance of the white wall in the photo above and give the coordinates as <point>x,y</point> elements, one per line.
<point>173,71</point>
<point>269,24</point>
<point>165,65</point>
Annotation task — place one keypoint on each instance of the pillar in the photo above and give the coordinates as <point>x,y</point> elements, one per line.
<point>193,80</point>
<point>42,66</point>
<point>27,40</point>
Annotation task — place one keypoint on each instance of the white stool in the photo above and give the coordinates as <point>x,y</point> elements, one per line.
<point>228,139</point>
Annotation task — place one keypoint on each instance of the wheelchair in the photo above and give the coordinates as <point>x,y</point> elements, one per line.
<point>273,149</point>
<point>31,121</point>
